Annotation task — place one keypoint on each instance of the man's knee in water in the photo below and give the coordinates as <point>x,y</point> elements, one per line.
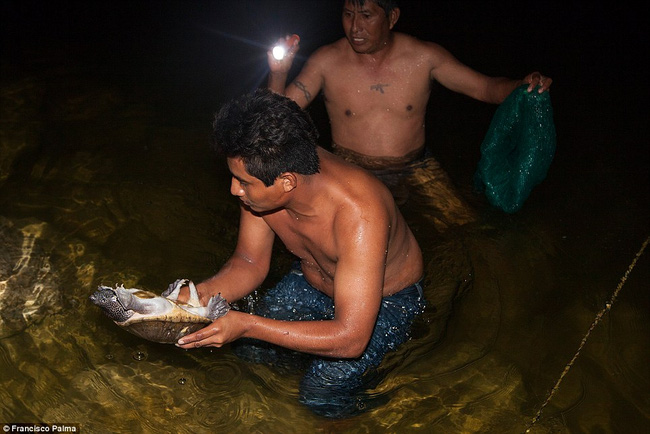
<point>332,388</point>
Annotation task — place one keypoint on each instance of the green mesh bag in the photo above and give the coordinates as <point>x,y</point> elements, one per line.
<point>517,150</point>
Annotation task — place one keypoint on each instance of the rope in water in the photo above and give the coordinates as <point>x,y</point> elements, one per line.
<point>600,314</point>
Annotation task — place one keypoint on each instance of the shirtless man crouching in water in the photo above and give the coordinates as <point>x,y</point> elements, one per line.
<point>358,287</point>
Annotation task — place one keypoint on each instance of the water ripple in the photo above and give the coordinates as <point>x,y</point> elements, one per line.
<point>216,414</point>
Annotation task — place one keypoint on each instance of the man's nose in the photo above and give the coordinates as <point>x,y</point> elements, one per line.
<point>354,23</point>
<point>235,188</point>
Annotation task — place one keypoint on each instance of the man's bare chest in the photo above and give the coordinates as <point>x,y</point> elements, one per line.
<point>360,91</point>
<point>308,240</point>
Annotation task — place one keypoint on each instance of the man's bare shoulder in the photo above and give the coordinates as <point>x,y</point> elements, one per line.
<point>358,192</point>
<point>413,47</point>
<point>329,53</point>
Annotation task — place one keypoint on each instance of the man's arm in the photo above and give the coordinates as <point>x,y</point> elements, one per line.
<point>359,279</point>
<point>279,68</point>
<point>456,76</point>
<point>247,267</point>
<point>358,287</point>
<point>307,84</point>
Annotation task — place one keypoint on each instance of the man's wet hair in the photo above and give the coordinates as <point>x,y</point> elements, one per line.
<point>270,133</point>
<point>386,5</point>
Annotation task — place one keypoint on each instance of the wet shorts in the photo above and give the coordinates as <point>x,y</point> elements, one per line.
<point>416,180</point>
<point>331,387</point>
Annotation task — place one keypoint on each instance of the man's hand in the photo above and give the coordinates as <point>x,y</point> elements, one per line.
<point>282,66</point>
<point>224,330</point>
<point>534,79</point>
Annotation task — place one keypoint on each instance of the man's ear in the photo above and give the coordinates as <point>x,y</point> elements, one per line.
<point>289,181</point>
<point>393,17</point>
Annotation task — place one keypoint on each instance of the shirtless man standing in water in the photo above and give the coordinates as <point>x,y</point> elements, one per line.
<point>376,84</point>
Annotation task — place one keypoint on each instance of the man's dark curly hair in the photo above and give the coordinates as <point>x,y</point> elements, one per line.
<point>270,133</point>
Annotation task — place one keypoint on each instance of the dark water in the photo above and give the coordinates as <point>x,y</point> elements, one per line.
<point>106,177</point>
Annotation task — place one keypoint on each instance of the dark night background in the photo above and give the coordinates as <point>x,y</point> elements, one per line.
<point>187,57</point>
<point>172,51</point>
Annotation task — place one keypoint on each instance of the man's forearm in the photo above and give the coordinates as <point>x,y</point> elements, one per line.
<point>236,279</point>
<point>277,82</point>
<point>501,88</point>
<point>327,338</point>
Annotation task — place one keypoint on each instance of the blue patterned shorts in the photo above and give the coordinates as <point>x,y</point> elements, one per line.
<point>332,387</point>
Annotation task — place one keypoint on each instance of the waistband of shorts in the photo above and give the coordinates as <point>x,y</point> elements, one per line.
<point>415,289</point>
<point>371,162</point>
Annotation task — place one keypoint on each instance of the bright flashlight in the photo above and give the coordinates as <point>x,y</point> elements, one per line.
<point>280,50</point>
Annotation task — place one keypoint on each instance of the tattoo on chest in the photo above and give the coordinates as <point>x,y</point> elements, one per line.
<point>302,87</point>
<point>379,87</point>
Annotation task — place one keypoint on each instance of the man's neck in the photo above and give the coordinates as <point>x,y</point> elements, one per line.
<point>304,202</point>
<point>310,191</point>
<point>378,56</point>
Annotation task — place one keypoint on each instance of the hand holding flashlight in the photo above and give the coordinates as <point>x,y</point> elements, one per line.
<point>281,49</point>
